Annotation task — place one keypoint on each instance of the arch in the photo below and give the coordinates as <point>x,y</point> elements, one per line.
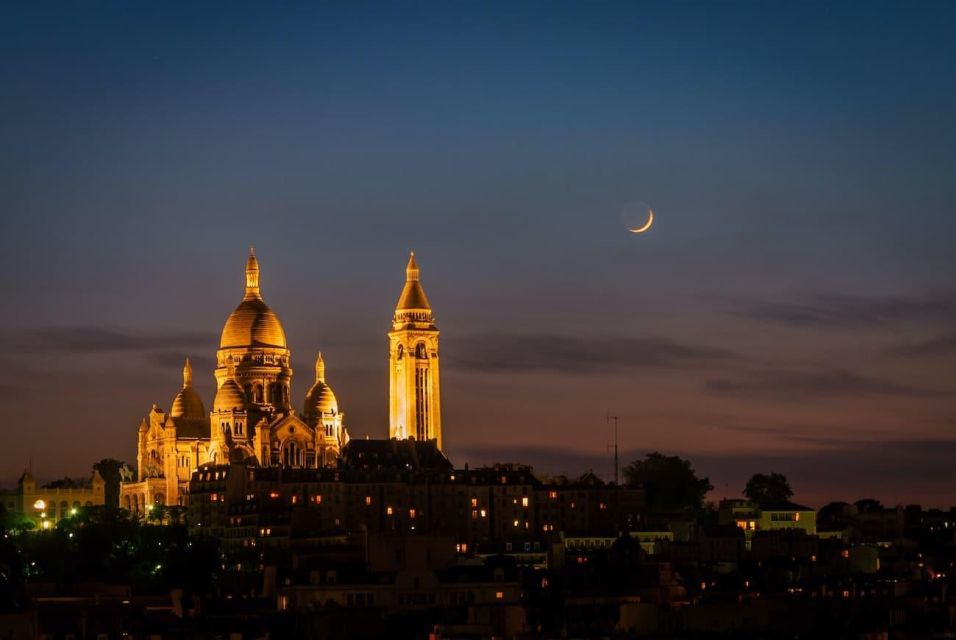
<point>257,396</point>
<point>400,353</point>
<point>421,352</point>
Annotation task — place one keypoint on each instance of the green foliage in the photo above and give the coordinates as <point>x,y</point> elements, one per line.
<point>101,544</point>
<point>772,487</point>
<point>670,483</point>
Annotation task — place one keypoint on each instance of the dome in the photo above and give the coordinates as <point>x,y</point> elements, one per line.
<point>229,397</point>
<point>253,323</point>
<point>187,403</point>
<point>320,399</point>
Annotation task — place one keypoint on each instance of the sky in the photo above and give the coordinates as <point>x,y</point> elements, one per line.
<point>792,309</point>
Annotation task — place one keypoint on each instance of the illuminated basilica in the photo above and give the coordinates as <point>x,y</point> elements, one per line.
<point>252,419</point>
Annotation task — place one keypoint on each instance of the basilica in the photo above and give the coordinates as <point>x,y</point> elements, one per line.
<point>252,419</point>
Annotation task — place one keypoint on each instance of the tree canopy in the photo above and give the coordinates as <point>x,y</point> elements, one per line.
<point>670,483</point>
<point>772,487</point>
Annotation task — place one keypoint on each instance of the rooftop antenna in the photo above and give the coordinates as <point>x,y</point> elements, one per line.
<point>613,445</point>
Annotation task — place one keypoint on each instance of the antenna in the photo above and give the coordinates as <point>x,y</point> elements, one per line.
<point>613,445</point>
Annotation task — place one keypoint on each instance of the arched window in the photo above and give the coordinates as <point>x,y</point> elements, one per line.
<point>238,428</point>
<point>401,351</point>
<point>257,393</point>
<point>420,351</point>
<point>292,455</point>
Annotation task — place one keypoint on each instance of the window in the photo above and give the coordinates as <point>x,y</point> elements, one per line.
<point>368,499</point>
<point>524,501</point>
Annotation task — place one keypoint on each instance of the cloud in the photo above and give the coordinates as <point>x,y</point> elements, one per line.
<point>941,346</point>
<point>824,309</point>
<point>556,353</point>
<point>87,340</point>
<point>800,384</point>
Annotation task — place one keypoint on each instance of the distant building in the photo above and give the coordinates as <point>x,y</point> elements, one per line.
<point>753,517</point>
<point>47,504</point>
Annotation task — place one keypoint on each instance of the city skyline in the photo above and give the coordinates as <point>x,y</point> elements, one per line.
<point>791,310</point>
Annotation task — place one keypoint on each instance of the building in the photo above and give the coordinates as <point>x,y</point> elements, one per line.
<point>252,419</point>
<point>45,505</point>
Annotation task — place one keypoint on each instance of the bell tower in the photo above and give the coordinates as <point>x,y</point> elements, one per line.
<point>414,398</point>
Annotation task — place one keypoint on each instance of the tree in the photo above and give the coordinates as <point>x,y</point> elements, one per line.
<point>868,505</point>
<point>110,471</point>
<point>768,488</point>
<point>670,483</point>
<point>832,513</point>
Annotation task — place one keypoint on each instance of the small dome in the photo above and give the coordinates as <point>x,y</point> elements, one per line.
<point>187,404</point>
<point>320,400</point>
<point>229,397</point>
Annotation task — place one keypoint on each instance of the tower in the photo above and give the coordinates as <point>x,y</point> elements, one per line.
<point>414,398</point>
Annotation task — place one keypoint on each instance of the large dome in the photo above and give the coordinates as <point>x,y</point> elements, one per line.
<point>253,323</point>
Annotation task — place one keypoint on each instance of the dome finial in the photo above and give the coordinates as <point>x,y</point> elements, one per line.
<point>187,374</point>
<point>411,269</point>
<point>252,275</point>
<point>319,368</point>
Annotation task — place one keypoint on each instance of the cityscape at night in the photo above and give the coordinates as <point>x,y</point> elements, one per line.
<point>478,320</point>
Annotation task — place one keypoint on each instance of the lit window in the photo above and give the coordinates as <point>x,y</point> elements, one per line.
<point>474,502</point>
<point>273,494</point>
<point>796,517</point>
<point>499,595</point>
<point>388,511</point>
<point>483,513</point>
<point>553,495</point>
<point>524,501</point>
<point>474,514</point>
<point>516,523</point>
<point>411,514</point>
<point>317,499</point>
<point>368,499</point>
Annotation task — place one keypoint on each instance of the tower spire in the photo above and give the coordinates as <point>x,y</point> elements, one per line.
<point>187,374</point>
<point>411,269</point>
<point>252,275</point>
<point>319,368</point>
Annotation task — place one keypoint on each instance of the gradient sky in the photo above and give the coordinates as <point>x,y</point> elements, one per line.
<point>793,308</point>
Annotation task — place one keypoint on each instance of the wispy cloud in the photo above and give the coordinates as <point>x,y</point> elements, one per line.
<point>87,339</point>
<point>800,384</point>
<point>824,309</point>
<point>558,353</point>
<point>941,346</point>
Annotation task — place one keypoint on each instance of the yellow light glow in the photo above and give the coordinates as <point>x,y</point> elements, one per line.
<point>39,505</point>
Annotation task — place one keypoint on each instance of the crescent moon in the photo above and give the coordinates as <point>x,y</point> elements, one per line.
<point>647,225</point>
